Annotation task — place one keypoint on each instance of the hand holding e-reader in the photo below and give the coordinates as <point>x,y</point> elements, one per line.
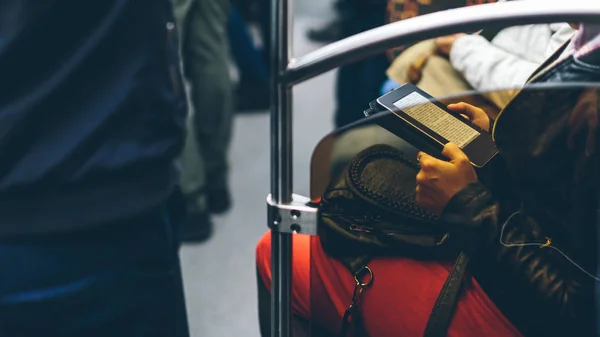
<point>428,125</point>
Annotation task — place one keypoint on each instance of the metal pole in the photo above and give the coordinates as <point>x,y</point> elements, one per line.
<point>281,167</point>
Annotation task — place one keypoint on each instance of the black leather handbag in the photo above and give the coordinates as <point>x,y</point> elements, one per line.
<point>370,210</point>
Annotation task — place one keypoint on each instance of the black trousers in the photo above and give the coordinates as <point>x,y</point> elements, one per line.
<point>360,82</point>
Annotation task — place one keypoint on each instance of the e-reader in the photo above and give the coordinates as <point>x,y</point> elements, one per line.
<point>427,124</point>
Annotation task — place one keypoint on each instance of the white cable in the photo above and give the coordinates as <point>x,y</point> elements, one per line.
<point>541,245</point>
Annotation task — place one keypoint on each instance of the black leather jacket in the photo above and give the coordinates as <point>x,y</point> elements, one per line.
<point>547,177</point>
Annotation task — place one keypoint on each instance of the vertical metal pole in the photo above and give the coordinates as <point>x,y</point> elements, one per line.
<point>281,166</point>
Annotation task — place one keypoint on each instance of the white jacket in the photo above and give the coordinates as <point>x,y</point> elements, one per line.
<point>510,58</point>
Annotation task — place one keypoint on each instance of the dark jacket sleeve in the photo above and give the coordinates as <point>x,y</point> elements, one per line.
<point>548,282</point>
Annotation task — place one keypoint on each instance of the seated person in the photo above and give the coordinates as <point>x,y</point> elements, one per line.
<point>514,291</point>
<point>485,62</point>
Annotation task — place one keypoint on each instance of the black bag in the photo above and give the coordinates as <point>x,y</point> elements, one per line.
<point>370,210</point>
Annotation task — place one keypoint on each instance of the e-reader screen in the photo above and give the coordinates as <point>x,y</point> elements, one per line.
<point>436,119</point>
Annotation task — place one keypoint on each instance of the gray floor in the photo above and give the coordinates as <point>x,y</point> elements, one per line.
<point>220,274</point>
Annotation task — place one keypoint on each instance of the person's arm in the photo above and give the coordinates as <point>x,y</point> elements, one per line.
<point>487,67</point>
<point>564,209</point>
<point>552,283</point>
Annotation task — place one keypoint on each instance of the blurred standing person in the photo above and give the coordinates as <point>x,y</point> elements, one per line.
<point>202,27</point>
<point>360,81</point>
<point>346,12</point>
<point>252,92</point>
<point>91,122</point>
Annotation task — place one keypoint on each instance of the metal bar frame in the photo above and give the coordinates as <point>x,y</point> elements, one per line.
<point>287,72</point>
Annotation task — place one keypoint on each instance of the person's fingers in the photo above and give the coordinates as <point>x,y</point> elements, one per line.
<point>423,197</point>
<point>427,181</point>
<point>465,117</point>
<point>455,154</point>
<point>457,106</point>
<point>420,196</point>
<point>440,41</point>
<point>427,162</point>
<point>421,178</point>
<point>467,109</point>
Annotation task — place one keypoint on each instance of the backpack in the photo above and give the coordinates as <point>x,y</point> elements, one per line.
<point>370,210</point>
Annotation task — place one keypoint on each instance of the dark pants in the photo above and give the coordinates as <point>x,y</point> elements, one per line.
<point>258,12</point>
<point>121,279</point>
<point>249,60</point>
<point>202,28</point>
<point>359,83</point>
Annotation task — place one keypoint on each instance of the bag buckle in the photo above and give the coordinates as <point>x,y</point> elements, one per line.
<point>363,279</point>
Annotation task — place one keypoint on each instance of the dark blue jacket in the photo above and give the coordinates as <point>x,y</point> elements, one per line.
<point>91,111</point>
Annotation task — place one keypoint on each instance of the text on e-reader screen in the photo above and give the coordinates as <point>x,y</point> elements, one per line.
<point>436,119</point>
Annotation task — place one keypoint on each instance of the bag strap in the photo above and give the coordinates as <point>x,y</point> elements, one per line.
<point>443,309</point>
<point>358,267</point>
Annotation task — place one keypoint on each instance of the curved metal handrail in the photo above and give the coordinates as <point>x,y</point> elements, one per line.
<point>497,15</point>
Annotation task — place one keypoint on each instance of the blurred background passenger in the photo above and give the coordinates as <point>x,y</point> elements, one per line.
<point>250,36</point>
<point>494,62</point>
<point>252,93</point>
<point>361,81</point>
<point>204,45</point>
<point>504,61</point>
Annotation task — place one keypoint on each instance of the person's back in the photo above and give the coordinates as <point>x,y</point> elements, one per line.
<point>91,115</point>
<point>91,120</point>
